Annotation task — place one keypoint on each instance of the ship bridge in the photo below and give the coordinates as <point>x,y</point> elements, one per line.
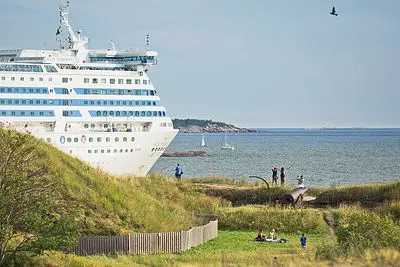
<point>123,57</point>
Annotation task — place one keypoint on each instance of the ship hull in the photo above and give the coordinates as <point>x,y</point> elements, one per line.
<point>134,156</point>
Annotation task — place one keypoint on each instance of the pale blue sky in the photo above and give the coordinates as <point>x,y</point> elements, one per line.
<point>254,63</point>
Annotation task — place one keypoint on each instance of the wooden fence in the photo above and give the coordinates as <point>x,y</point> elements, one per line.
<point>147,243</point>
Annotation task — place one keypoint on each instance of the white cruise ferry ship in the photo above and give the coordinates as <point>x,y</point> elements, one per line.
<point>97,105</point>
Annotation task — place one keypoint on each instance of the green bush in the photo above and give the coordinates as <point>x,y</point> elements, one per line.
<point>245,195</point>
<point>391,209</point>
<point>31,220</point>
<point>359,230</point>
<point>285,220</point>
<point>329,250</point>
<point>362,193</point>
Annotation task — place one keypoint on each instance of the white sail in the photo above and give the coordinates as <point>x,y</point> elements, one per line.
<point>203,141</point>
<point>225,145</point>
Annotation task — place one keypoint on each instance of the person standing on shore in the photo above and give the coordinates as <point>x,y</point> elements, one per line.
<point>274,175</point>
<point>283,176</point>
<point>178,171</point>
<point>303,241</point>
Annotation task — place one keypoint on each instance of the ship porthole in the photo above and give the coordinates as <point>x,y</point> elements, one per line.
<point>83,139</point>
<point>62,139</point>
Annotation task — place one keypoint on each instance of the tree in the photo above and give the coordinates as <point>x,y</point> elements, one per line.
<point>29,197</point>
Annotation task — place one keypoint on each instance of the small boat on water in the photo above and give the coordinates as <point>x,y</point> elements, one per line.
<point>203,141</point>
<point>225,145</point>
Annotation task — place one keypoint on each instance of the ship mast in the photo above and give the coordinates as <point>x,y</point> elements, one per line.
<point>75,42</point>
<point>64,21</point>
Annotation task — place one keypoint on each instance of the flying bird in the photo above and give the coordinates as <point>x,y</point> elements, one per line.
<point>333,12</point>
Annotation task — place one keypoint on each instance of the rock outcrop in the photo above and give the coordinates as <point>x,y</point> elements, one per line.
<point>186,154</point>
<point>214,129</point>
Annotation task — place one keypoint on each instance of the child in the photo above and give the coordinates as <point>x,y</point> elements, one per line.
<point>303,241</point>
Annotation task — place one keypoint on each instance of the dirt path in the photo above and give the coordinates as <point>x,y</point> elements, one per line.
<point>330,221</point>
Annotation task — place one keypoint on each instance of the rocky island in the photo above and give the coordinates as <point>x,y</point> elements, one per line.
<point>186,154</point>
<point>207,126</point>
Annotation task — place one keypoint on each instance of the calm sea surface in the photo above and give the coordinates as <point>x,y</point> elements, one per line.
<point>323,157</point>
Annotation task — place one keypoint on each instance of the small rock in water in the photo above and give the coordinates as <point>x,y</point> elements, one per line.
<point>186,154</point>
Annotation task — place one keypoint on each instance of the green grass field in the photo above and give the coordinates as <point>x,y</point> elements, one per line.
<point>229,248</point>
<point>234,248</point>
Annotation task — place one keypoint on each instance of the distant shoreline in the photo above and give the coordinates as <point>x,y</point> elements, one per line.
<point>209,126</point>
<point>196,130</point>
<point>324,128</point>
<point>354,128</point>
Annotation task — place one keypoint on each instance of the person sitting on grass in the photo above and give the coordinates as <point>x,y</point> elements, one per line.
<point>260,236</point>
<point>272,235</point>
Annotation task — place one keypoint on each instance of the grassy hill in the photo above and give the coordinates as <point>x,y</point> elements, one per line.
<point>108,205</point>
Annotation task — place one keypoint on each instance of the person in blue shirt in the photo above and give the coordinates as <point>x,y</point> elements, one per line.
<point>178,171</point>
<point>303,240</point>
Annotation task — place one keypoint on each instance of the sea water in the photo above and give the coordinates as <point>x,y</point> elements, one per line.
<point>324,157</point>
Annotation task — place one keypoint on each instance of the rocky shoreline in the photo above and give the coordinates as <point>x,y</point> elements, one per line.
<point>215,129</point>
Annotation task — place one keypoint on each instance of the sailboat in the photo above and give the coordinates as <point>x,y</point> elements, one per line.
<point>203,141</point>
<point>225,145</point>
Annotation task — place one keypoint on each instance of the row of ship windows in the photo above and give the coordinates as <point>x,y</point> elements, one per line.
<point>121,103</point>
<point>24,90</point>
<point>22,79</point>
<point>91,139</point>
<point>27,113</point>
<point>114,92</point>
<point>85,80</point>
<point>143,59</point>
<point>105,113</point>
<point>107,126</point>
<point>116,150</point>
<point>63,102</point>
<point>109,151</point>
<point>40,90</point>
<point>111,81</point>
<point>24,68</point>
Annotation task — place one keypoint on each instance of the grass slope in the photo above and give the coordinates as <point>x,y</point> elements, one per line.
<point>110,205</point>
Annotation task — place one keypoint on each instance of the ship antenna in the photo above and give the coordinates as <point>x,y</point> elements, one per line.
<point>113,45</point>
<point>147,42</point>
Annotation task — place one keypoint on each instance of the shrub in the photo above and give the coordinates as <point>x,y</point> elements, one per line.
<point>391,209</point>
<point>31,220</point>
<point>329,250</point>
<point>358,230</point>
<point>362,193</point>
<point>285,220</point>
<point>245,195</point>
